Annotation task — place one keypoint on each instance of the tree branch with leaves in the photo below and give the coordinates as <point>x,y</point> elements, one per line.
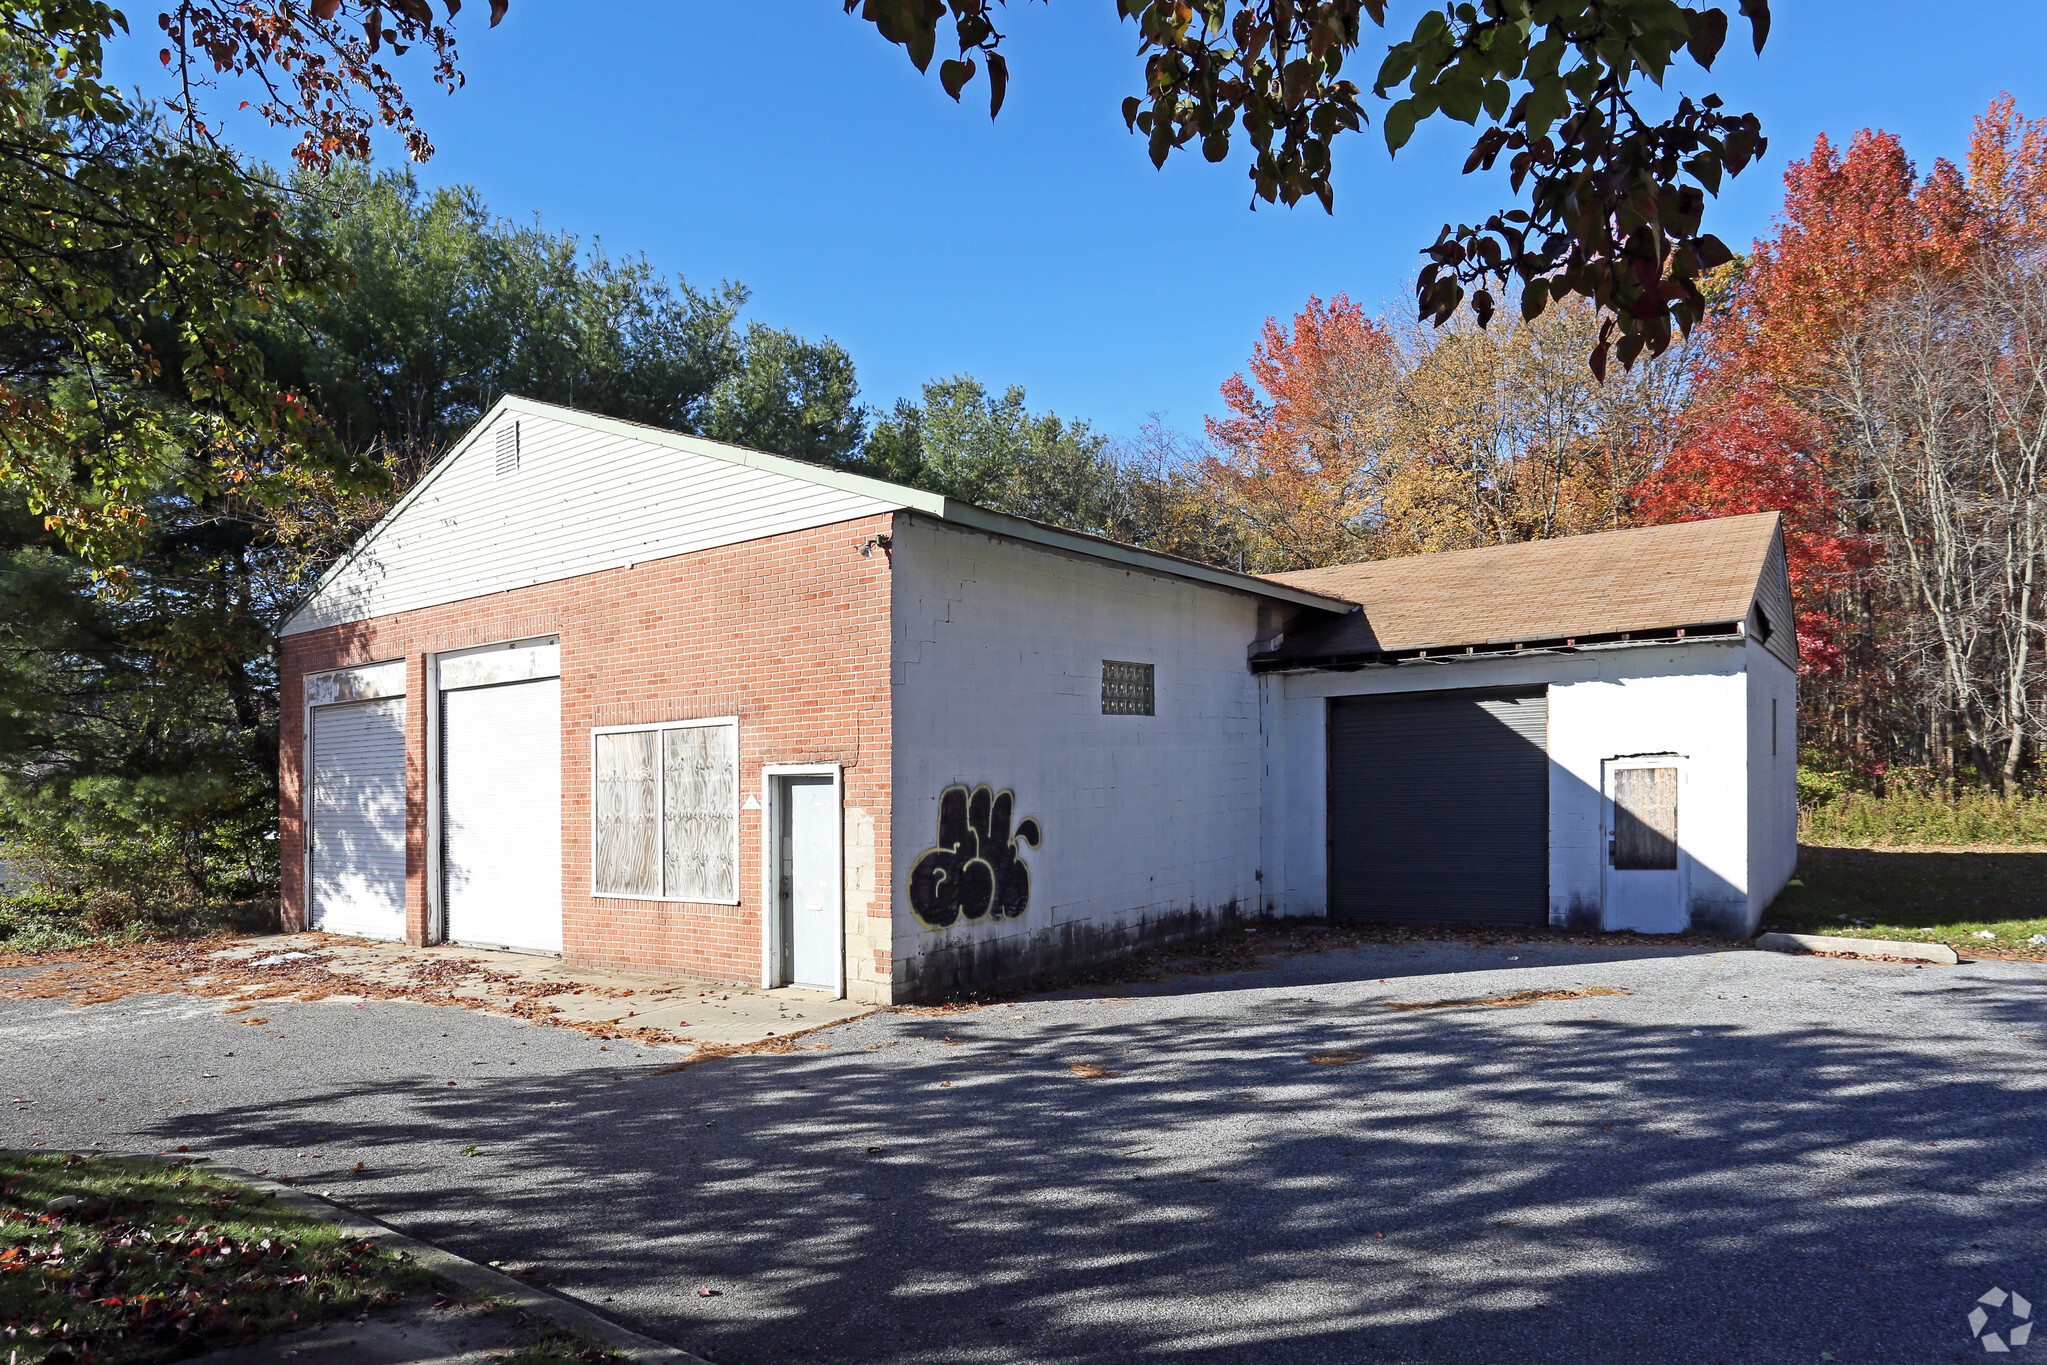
<point>1616,198</point>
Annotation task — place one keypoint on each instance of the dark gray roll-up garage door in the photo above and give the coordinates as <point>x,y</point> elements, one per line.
<point>1439,807</point>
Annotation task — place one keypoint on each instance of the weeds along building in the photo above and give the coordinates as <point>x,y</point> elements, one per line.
<point>657,703</point>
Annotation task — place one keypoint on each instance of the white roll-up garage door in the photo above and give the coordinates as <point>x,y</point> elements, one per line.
<point>357,808</point>
<point>501,815</point>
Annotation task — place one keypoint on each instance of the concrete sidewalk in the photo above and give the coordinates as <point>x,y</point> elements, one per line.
<point>253,973</point>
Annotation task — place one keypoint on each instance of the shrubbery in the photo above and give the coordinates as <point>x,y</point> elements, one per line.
<point>1834,808</point>
<point>106,858</point>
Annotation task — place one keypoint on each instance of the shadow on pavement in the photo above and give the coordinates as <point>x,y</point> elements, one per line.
<point>1485,1185</point>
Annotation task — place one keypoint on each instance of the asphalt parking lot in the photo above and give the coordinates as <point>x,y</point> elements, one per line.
<point>1748,1158</point>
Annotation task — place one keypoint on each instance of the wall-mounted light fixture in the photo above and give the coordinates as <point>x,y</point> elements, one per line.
<point>886,543</point>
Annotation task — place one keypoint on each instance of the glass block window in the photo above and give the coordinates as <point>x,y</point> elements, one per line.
<point>667,825</point>
<point>1127,689</point>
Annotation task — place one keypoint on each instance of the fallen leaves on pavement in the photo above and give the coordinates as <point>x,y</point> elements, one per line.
<point>1340,1057</point>
<point>1090,1070</point>
<point>212,967</point>
<point>1506,1001</point>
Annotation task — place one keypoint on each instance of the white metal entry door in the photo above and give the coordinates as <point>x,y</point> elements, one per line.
<point>356,809</point>
<point>1645,864</point>
<point>810,872</point>
<point>501,815</point>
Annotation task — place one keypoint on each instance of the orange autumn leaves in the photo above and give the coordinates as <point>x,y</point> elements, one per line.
<point>1354,436</point>
<point>1351,436</point>
<point>1859,224</point>
<point>1301,457</point>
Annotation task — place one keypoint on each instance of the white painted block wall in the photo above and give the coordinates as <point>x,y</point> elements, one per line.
<point>997,680</point>
<point>1693,699</point>
<point>1773,779</point>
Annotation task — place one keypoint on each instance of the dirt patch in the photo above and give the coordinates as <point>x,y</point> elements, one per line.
<point>711,1052</point>
<point>1507,1001</point>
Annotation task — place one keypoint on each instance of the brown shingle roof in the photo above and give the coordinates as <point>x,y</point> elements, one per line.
<point>1649,579</point>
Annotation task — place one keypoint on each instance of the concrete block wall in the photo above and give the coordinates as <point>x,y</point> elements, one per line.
<point>1691,698</point>
<point>791,633</point>
<point>1772,778</point>
<point>1149,824</point>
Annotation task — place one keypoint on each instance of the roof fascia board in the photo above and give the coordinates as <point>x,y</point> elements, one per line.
<point>1346,663</point>
<point>1130,556</point>
<point>944,508</point>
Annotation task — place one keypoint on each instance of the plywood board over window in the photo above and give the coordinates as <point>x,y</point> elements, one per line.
<point>1645,819</point>
<point>666,818</point>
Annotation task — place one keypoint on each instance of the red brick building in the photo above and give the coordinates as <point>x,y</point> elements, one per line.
<point>653,702</point>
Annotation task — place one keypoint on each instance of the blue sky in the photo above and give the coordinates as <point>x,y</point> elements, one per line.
<point>782,144</point>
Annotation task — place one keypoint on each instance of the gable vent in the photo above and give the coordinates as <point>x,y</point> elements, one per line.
<point>508,449</point>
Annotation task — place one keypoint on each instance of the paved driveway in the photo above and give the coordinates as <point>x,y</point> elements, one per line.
<point>1750,1158</point>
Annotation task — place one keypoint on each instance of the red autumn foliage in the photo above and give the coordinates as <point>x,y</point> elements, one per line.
<point>1311,376</point>
<point>1854,227</point>
<point>1758,453</point>
<point>1296,450</point>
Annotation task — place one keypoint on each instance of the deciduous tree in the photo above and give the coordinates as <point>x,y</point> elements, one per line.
<point>1300,462</point>
<point>1754,451</point>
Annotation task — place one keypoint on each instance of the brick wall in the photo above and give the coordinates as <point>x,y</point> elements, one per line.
<point>790,633</point>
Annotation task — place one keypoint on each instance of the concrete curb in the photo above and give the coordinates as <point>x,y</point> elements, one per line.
<point>1859,947</point>
<point>445,1265</point>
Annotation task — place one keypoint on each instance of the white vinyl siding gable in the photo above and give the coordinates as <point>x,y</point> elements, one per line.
<point>576,500</point>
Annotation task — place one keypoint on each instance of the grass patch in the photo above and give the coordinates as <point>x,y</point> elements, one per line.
<point>1857,819</point>
<point>1950,896</point>
<point>148,1261</point>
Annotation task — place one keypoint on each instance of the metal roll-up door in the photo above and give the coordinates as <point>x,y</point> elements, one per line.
<point>1439,807</point>
<point>357,808</point>
<point>501,815</point>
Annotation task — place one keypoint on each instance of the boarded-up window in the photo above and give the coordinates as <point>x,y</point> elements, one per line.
<point>628,806</point>
<point>1127,689</point>
<point>668,812</point>
<point>699,777</point>
<point>1645,819</point>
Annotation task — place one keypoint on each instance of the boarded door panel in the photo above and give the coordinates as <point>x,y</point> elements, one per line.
<point>810,870</point>
<point>1645,819</point>
<point>357,809</point>
<point>501,815</point>
<point>1439,808</point>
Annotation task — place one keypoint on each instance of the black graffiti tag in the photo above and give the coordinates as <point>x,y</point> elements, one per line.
<point>974,872</point>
